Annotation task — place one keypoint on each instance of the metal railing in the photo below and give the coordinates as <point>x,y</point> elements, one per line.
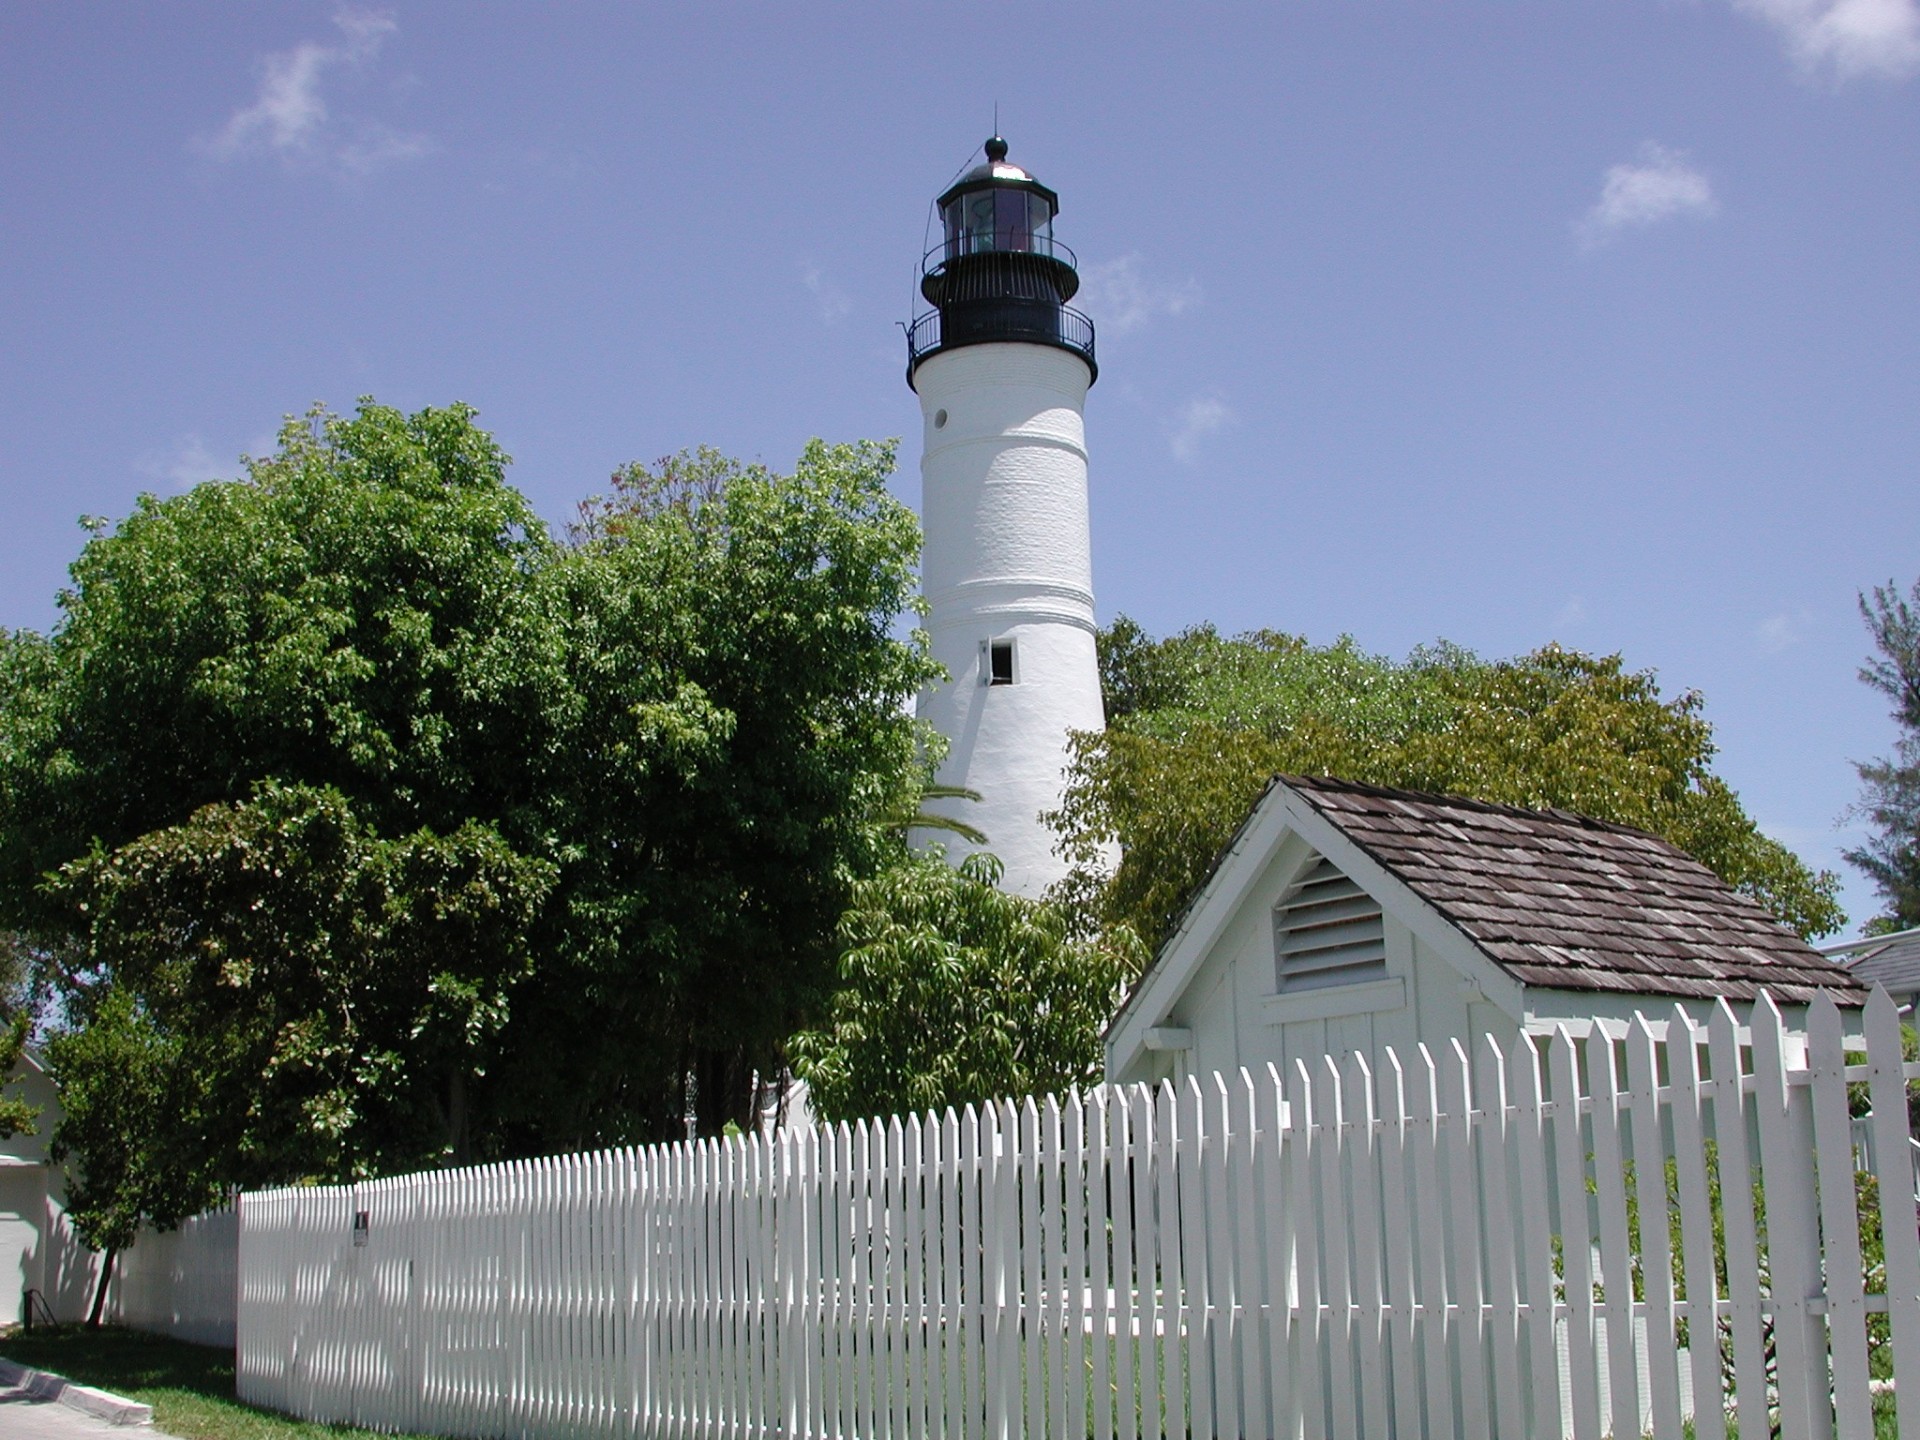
<point>987,242</point>
<point>1059,325</point>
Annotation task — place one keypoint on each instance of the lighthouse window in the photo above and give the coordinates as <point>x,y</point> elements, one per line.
<point>1000,663</point>
<point>998,219</point>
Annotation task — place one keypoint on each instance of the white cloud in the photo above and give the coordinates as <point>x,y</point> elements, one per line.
<point>830,298</point>
<point>1197,419</point>
<point>1846,39</point>
<point>290,120</point>
<point>1778,632</point>
<point>1121,298</point>
<point>1796,837</point>
<point>184,464</point>
<point>1659,186</point>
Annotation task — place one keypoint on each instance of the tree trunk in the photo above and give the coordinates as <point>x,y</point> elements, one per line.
<point>459,1147</point>
<point>724,1090</point>
<point>100,1295</point>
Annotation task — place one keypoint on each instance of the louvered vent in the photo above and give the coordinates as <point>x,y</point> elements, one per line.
<point>1327,931</point>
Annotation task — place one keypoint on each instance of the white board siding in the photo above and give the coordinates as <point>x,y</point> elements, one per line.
<point>1238,1019</point>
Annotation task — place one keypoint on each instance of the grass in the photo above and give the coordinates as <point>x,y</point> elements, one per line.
<point>190,1387</point>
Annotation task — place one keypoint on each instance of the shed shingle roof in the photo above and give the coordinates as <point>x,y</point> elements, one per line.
<point>1568,903</point>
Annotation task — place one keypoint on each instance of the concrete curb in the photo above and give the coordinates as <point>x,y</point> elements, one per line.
<point>56,1389</point>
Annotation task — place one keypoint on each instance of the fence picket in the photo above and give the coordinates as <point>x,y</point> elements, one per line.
<point>1616,1256</point>
<point>1053,1249</point>
<point>1276,1242</point>
<point>1576,1235</point>
<point>1335,1282</point>
<point>963,1277</point>
<point>1171,1309</point>
<point>1893,1169</point>
<point>1430,1248</point>
<point>1222,1282</point>
<point>922,1417</point>
<point>1735,1170</point>
<point>1502,1332</point>
<point>1687,1081</point>
<point>1464,1215</point>
<point>1786,1147</point>
<point>1099,1268</point>
<point>1839,1221</point>
<point>1245,1200</point>
<point>1193,1258</point>
<point>1535,1236</point>
<point>860,1278</point>
<point>1303,1138</point>
<point>1119,1137</point>
<point>1655,1242</point>
<point>1003,1237</point>
<point>1398,1274</point>
<point>1031,1309</point>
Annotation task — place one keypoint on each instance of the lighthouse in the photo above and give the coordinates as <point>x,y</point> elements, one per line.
<point>1002,365</point>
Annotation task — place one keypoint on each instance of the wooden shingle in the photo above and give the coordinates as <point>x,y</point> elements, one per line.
<point>1568,903</point>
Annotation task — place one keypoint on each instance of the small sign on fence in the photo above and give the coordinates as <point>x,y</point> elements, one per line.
<point>359,1229</point>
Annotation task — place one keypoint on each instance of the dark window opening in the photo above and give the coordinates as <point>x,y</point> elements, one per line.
<point>1000,663</point>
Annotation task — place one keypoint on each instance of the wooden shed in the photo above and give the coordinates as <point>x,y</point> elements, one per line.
<point>1349,917</point>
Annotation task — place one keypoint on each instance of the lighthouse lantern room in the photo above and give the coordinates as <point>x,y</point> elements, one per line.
<point>1002,364</point>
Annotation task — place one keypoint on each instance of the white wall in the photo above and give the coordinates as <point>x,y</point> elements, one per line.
<point>181,1283</point>
<point>38,1249</point>
<point>1008,556</point>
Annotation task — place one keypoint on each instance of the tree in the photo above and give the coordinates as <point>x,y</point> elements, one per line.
<point>1891,786</point>
<point>955,992</point>
<point>130,1128</point>
<point>434,836</point>
<point>334,996</point>
<point>17,1116</point>
<point>1202,722</point>
<point>737,742</point>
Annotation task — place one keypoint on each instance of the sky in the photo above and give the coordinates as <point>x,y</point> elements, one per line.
<point>1594,322</point>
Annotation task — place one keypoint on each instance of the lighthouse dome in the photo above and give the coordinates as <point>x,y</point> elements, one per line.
<point>996,167</point>
<point>997,172</point>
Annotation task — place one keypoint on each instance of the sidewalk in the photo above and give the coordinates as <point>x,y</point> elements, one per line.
<point>29,1417</point>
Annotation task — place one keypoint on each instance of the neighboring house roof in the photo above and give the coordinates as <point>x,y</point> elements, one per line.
<point>1889,960</point>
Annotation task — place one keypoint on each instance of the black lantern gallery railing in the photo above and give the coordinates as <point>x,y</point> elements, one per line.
<point>975,243</point>
<point>1026,322</point>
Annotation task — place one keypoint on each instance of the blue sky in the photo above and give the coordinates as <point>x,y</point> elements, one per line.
<point>1504,323</point>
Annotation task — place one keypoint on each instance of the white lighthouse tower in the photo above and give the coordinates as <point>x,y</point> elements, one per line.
<point>1002,366</point>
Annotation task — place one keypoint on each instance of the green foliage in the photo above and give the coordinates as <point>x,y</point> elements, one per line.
<point>332,994</point>
<point>17,1116</point>
<point>130,1123</point>
<point>1890,799</point>
<point>955,992</point>
<point>390,829</point>
<point>1202,723</point>
<point>736,747</point>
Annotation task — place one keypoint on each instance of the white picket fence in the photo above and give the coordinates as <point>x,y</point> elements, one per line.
<point>1415,1246</point>
<point>181,1282</point>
